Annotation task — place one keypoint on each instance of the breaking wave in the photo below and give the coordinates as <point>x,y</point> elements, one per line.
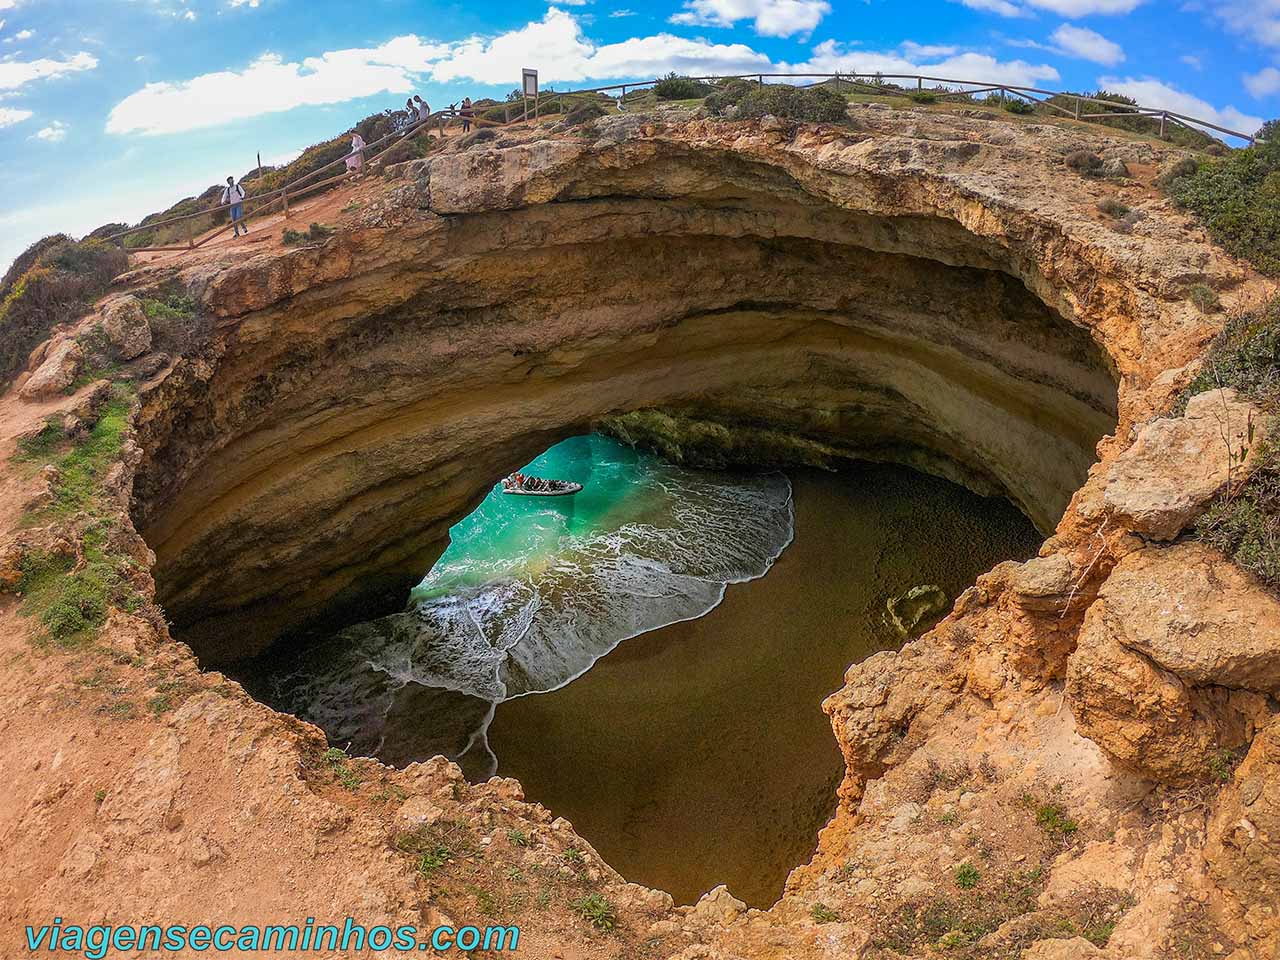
<point>532,591</point>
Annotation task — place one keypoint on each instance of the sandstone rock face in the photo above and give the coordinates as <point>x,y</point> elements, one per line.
<point>57,372</point>
<point>1162,483</point>
<point>1175,661</point>
<point>126,327</point>
<point>1244,840</point>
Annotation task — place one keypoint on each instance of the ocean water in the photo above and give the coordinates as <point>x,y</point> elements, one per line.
<point>649,656</point>
<point>530,593</point>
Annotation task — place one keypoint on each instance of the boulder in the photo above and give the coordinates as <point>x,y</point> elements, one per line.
<point>1077,948</point>
<point>1151,678</point>
<point>1115,167</point>
<point>1042,583</point>
<point>717,906</point>
<point>1177,465</point>
<point>58,371</point>
<point>125,325</point>
<point>1199,616</point>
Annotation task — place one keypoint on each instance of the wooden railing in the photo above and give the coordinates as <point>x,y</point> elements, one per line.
<point>517,112</point>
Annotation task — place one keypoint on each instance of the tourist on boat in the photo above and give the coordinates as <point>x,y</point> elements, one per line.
<point>234,194</point>
<point>355,161</point>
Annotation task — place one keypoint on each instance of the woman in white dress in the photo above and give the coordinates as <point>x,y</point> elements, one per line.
<point>355,162</point>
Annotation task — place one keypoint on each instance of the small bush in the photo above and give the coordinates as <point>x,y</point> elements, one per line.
<point>811,104</point>
<point>923,96</point>
<point>1019,106</point>
<point>1238,200</point>
<point>675,87</point>
<point>317,233</point>
<point>966,876</point>
<point>1052,818</point>
<point>1112,207</point>
<point>1173,172</point>
<point>596,909</point>
<point>821,913</point>
<point>584,113</point>
<point>1084,162</point>
<point>1203,297</point>
<point>728,94</point>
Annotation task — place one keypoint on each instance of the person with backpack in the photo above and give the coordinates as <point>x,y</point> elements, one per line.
<point>466,113</point>
<point>234,194</point>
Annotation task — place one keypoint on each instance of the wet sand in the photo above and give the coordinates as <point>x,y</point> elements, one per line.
<point>698,753</point>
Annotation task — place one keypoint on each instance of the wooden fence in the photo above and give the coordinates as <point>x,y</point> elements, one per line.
<point>518,112</point>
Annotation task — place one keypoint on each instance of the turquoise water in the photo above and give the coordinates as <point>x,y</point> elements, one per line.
<point>531,592</point>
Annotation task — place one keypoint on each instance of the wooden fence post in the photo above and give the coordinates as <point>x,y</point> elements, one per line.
<point>1164,120</point>
<point>1077,108</point>
<point>919,83</point>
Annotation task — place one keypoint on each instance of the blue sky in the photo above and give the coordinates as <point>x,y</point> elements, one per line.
<point>110,109</point>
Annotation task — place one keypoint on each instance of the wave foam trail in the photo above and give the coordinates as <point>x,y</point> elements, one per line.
<point>531,593</point>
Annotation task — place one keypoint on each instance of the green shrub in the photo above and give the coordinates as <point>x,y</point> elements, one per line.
<point>967,876</point>
<point>1019,106</point>
<point>923,96</point>
<point>729,93</point>
<point>676,87</point>
<point>811,104</point>
<point>596,909</point>
<point>1084,162</point>
<point>1112,207</point>
<point>584,113</point>
<point>55,281</point>
<point>821,913</point>
<point>1203,297</point>
<point>316,233</point>
<point>1245,524</point>
<point>1238,200</point>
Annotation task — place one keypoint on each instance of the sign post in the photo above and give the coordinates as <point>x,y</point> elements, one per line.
<point>529,86</point>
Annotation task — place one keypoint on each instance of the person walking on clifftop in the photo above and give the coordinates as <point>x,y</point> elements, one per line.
<point>234,194</point>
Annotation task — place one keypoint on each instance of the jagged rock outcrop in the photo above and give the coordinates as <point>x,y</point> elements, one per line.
<point>1177,465</point>
<point>57,371</point>
<point>126,327</point>
<point>1176,661</point>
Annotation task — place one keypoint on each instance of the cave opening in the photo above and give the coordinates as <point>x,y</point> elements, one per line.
<point>924,396</point>
<point>631,653</point>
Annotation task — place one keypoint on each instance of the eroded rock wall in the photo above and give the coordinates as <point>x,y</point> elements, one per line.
<point>357,400</point>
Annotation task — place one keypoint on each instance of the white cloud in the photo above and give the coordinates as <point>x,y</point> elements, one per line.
<point>243,3</point>
<point>623,13</point>
<point>1003,7</point>
<point>772,18</point>
<point>19,36</point>
<point>1192,61</point>
<point>1070,9</point>
<point>1084,43</point>
<point>912,49</point>
<point>1264,83</point>
<point>10,116</point>
<point>15,74</point>
<point>1256,19</point>
<point>1155,93</point>
<point>270,85</point>
<point>1084,8</point>
<point>830,57</point>
<point>55,132</point>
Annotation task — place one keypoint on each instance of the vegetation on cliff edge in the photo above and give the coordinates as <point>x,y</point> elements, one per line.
<point>1245,523</point>
<point>54,281</point>
<point>1238,199</point>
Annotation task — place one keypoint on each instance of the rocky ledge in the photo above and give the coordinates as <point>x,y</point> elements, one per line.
<point>1080,761</point>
